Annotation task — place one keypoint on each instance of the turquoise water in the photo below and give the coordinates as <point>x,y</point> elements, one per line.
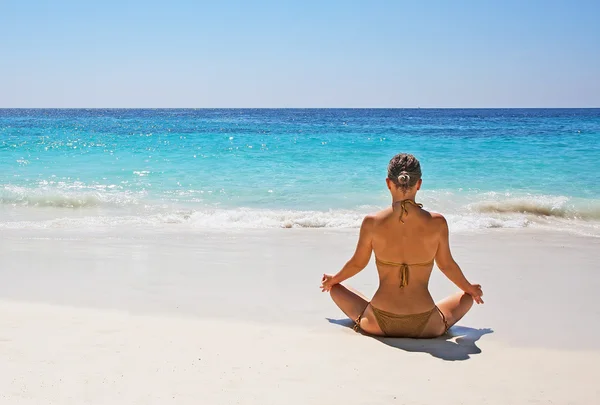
<point>262,168</point>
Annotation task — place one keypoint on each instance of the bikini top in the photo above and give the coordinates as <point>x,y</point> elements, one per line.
<point>403,267</point>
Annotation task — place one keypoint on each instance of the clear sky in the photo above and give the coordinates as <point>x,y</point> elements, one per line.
<point>303,53</point>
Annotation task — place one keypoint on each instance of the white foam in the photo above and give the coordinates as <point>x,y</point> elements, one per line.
<point>43,208</point>
<point>213,219</point>
<point>67,196</point>
<point>244,218</point>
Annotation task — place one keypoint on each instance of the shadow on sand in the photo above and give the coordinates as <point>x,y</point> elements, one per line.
<point>457,344</point>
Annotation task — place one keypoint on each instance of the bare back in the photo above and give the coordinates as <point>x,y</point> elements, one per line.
<point>413,242</point>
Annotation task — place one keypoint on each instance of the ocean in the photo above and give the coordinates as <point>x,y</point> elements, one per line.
<point>259,168</point>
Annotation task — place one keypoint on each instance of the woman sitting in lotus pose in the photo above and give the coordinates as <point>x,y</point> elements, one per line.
<point>406,240</point>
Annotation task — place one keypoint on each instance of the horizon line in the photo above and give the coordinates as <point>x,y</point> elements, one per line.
<point>299,108</point>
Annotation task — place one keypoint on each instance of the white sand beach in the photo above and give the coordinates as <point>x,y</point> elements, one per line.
<point>158,316</point>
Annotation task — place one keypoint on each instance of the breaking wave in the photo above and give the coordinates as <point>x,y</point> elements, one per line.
<point>543,206</point>
<point>103,206</point>
<point>65,198</point>
<point>210,219</point>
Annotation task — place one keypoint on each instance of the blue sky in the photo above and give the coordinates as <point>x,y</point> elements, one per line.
<point>299,54</point>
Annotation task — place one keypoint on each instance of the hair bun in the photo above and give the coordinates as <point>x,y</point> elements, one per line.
<point>403,178</point>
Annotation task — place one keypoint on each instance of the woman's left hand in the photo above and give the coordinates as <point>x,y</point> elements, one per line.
<point>326,283</point>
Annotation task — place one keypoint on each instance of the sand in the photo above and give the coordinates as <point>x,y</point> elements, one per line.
<point>159,316</point>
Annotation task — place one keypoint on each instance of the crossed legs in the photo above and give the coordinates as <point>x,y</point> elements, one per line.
<point>355,305</point>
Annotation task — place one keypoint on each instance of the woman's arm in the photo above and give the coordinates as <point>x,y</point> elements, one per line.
<point>450,268</point>
<point>359,260</point>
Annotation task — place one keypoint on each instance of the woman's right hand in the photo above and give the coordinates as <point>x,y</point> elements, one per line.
<point>476,292</point>
<point>326,283</point>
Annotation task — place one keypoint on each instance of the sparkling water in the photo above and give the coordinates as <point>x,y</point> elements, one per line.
<point>296,168</point>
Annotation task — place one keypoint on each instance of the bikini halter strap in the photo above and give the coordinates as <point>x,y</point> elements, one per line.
<point>403,209</point>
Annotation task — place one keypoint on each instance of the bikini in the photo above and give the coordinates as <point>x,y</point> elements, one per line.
<point>411,325</point>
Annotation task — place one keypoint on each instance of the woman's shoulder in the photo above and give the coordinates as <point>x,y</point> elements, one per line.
<point>379,215</point>
<point>434,219</point>
<point>438,220</point>
<point>436,215</point>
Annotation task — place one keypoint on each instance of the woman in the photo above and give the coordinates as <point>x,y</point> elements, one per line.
<point>406,240</point>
